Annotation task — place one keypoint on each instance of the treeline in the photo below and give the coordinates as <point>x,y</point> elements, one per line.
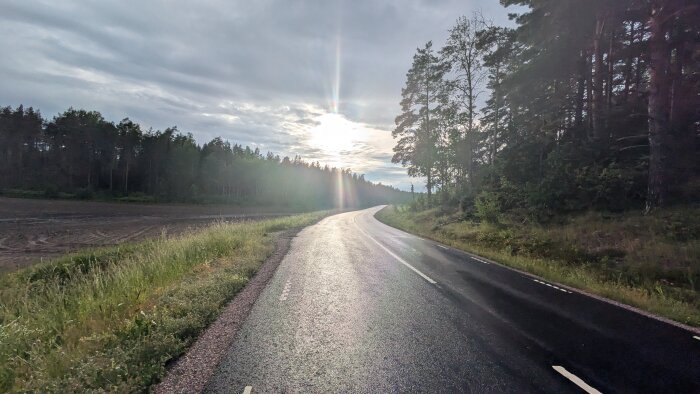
<point>80,153</point>
<point>589,104</point>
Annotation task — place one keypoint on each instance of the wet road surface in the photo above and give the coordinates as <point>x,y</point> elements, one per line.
<point>358,306</point>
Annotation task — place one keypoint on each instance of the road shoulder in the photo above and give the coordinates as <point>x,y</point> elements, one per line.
<point>191,372</point>
<point>504,264</point>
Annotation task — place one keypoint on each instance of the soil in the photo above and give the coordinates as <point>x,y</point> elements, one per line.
<point>32,231</point>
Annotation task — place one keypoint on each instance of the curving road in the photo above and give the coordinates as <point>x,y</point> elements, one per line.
<point>358,306</point>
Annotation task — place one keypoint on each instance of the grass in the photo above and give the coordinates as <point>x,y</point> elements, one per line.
<point>650,262</point>
<point>111,319</point>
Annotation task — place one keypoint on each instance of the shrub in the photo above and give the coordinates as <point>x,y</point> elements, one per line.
<point>488,207</point>
<point>84,194</point>
<point>51,191</point>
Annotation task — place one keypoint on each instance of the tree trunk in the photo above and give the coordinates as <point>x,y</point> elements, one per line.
<point>497,115</point>
<point>628,64</point>
<point>429,184</point>
<point>676,96</point>
<point>589,95</point>
<point>609,82</point>
<point>580,90</point>
<point>658,108</point>
<point>598,78</point>
<point>126,178</point>
<point>429,161</point>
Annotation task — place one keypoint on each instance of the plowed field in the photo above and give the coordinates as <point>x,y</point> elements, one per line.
<point>36,230</point>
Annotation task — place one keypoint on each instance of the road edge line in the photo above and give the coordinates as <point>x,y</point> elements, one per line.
<point>695,330</point>
<point>395,256</point>
<point>576,380</point>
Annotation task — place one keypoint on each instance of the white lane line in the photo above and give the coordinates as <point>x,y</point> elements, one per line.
<point>552,286</point>
<point>247,389</point>
<point>402,261</point>
<point>475,258</point>
<point>696,337</point>
<point>580,383</point>
<point>285,291</point>
<point>480,260</point>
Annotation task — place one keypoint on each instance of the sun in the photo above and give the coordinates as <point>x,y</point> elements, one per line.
<point>335,134</point>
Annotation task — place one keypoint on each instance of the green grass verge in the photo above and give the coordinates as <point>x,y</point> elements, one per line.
<point>111,319</point>
<point>621,258</point>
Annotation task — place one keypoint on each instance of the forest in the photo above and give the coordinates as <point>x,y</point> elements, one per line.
<point>79,154</point>
<point>583,105</point>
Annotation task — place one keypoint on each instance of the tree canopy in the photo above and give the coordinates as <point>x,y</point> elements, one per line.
<point>587,105</point>
<point>81,153</point>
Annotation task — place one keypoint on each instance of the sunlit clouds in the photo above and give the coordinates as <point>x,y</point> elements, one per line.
<point>334,134</point>
<point>321,80</point>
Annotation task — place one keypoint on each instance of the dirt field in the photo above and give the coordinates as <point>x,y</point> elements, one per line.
<point>36,230</point>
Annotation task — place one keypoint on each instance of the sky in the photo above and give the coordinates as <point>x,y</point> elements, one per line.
<point>320,79</point>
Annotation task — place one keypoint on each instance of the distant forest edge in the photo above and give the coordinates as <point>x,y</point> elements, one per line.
<point>80,154</point>
<point>588,105</point>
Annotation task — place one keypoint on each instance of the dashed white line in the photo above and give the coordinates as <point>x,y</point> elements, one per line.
<point>285,291</point>
<point>552,286</point>
<point>696,337</point>
<point>402,261</point>
<point>577,381</point>
<point>475,258</point>
<point>480,260</point>
<point>247,389</point>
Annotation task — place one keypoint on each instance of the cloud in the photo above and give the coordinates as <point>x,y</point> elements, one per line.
<point>259,73</point>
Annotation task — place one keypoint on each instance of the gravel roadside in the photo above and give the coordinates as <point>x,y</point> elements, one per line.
<point>193,370</point>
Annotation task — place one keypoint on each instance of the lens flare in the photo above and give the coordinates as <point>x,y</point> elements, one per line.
<point>335,90</point>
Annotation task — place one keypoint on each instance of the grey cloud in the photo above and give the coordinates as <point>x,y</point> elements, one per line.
<point>253,72</point>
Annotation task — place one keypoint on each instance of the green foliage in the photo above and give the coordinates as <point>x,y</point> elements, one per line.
<point>84,194</point>
<point>563,128</point>
<point>416,126</point>
<point>51,191</point>
<point>488,207</point>
<point>137,197</point>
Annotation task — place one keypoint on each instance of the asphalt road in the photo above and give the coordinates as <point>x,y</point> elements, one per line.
<point>358,306</point>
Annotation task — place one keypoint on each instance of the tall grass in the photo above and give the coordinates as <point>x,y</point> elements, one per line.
<point>650,262</point>
<point>110,319</point>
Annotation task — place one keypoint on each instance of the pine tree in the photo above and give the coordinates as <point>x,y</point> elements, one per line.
<point>416,127</point>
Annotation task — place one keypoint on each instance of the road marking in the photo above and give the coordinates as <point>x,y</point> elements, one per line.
<point>285,292</point>
<point>473,257</point>
<point>580,383</point>
<point>552,286</point>
<point>696,337</point>
<point>480,260</point>
<point>247,389</point>
<point>402,261</point>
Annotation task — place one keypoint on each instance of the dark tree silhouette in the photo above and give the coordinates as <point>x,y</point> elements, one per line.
<point>591,104</point>
<point>78,153</point>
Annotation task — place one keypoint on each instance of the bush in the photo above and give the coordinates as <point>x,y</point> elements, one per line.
<point>137,197</point>
<point>51,191</point>
<point>488,207</point>
<point>84,194</point>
